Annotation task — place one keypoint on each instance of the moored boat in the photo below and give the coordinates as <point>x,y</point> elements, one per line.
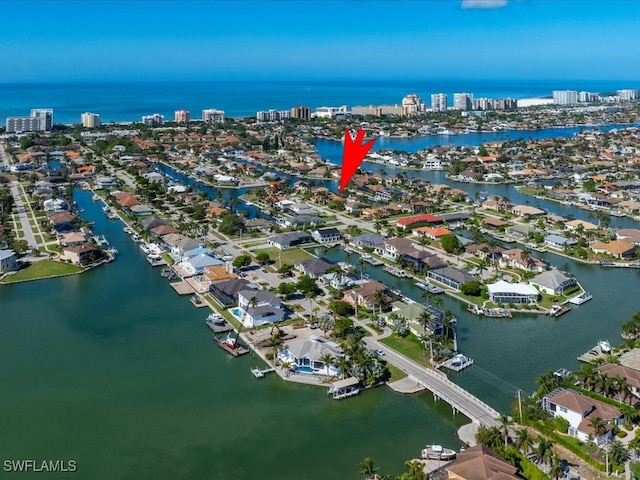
<point>438,452</point>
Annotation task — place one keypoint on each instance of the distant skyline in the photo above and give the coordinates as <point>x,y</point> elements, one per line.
<point>45,41</point>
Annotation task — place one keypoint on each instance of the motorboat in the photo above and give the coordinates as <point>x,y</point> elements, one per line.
<point>438,452</point>
<point>605,346</point>
<point>95,198</point>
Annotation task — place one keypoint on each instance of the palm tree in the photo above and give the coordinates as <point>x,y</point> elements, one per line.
<point>361,265</point>
<point>286,366</point>
<point>328,360</point>
<point>505,422</point>
<point>415,470</point>
<point>524,440</point>
<point>544,450</point>
<point>380,298</point>
<point>556,470</point>
<point>367,468</point>
<point>618,452</point>
<point>621,386</point>
<point>587,375</point>
<point>598,425</point>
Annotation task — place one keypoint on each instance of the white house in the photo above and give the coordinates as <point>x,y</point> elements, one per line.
<point>8,261</point>
<point>306,354</point>
<point>55,205</point>
<point>259,307</point>
<point>326,235</point>
<point>505,292</point>
<point>553,282</point>
<point>579,410</point>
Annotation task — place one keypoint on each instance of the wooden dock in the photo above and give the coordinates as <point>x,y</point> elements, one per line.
<point>182,287</point>
<point>593,354</point>
<point>456,363</point>
<point>236,350</point>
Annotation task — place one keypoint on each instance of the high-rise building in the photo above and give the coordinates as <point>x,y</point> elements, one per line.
<point>565,97</point>
<point>153,120</point>
<point>22,124</point>
<point>463,101</point>
<point>212,115</point>
<point>182,116</point>
<point>301,112</point>
<point>628,94</point>
<point>45,117</point>
<point>413,104</point>
<point>438,102</point>
<point>90,120</point>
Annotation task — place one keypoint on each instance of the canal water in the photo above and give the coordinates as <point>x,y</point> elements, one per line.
<point>113,370</point>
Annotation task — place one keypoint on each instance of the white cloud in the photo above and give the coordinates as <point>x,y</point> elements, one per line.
<point>484,3</point>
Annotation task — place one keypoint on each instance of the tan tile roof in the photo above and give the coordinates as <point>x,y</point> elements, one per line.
<point>480,463</point>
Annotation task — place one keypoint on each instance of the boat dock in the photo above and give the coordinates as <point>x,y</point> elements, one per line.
<point>372,261</point>
<point>198,301</point>
<point>593,354</point>
<point>182,288</point>
<point>558,310</point>
<point>580,299</point>
<point>261,373</point>
<point>456,363</point>
<point>490,312</point>
<point>234,349</point>
<point>344,388</point>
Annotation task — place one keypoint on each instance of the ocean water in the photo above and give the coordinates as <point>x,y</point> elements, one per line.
<point>128,101</point>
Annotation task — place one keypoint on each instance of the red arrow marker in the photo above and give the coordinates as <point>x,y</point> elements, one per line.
<point>352,155</point>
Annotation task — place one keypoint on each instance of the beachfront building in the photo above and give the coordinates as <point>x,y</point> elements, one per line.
<point>565,97</point>
<point>413,104</point>
<point>90,120</point>
<point>154,120</point>
<point>212,115</point>
<point>259,307</point>
<point>306,355</point>
<point>463,101</point>
<point>44,117</point>
<point>579,409</point>
<point>331,113</point>
<point>182,116</point>
<point>553,282</point>
<point>505,292</point>
<point>301,112</point>
<point>8,261</point>
<point>22,124</point>
<point>438,102</point>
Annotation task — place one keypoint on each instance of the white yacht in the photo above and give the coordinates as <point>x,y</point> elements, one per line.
<point>605,346</point>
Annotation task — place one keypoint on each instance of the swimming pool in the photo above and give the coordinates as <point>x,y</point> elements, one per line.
<point>236,312</point>
<point>304,369</point>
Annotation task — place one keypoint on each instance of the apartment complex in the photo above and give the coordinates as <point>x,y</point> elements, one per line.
<point>565,97</point>
<point>90,120</point>
<point>463,101</point>
<point>41,120</point>
<point>439,102</point>
<point>301,112</point>
<point>153,120</point>
<point>212,115</point>
<point>182,116</point>
<point>272,115</point>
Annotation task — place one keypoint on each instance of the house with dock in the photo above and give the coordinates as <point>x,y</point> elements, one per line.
<point>8,261</point>
<point>306,355</point>
<point>519,293</point>
<point>259,307</point>
<point>553,282</point>
<point>579,410</point>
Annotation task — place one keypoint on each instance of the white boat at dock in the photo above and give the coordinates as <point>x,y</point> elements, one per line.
<point>144,248</point>
<point>605,346</point>
<point>106,209</point>
<point>95,198</point>
<point>438,452</point>
<point>102,240</point>
<point>155,260</point>
<point>112,215</point>
<point>127,230</point>
<point>395,271</point>
<point>429,287</point>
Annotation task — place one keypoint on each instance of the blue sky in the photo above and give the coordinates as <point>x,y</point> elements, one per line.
<point>305,39</point>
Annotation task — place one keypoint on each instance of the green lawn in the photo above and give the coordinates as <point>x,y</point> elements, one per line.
<point>396,373</point>
<point>289,257</point>
<point>409,346</point>
<point>42,269</point>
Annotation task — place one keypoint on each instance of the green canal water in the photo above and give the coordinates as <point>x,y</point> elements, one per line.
<point>113,370</point>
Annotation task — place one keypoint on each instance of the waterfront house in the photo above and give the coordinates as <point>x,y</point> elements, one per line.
<point>195,265</point>
<point>54,205</point>
<point>309,353</point>
<point>579,409</point>
<point>178,244</point>
<point>519,231</point>
<point>523,210</point>
<point>326,235</point>
<point>81,254</point>
<point>485,251</point>
<point>367,295</point>
<point>616,248</point>
<point>337,281</point>
<point>8,261</point>
<point>259,307</point>
<point>393,246</point>
<point>414,313</point>
<point>152,222</point>
<point>62,221</point>
<point>553,282</point>
<point>577,224</point>
<point>505,292</point>
<point>419,260</point>
<point>290,239</point>
<point>559,242</point>
<point>493,223</point>
<point>631,376</point>
<point>161,230</point>
<point>72,238</point>
<point>103,182</point>
<point>226,291</point>
<point>433,233</point>
<point>631,235</point>
<point>451,277</point>
<point>517,258</point>
<point>314,267</point>
<point>368,240</point>
<point>477,463</point>
<point>216,273</point>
